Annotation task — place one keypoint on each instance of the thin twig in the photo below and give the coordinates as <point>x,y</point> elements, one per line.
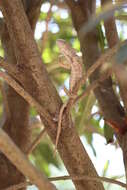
<point>105,58</point>
<point>12,69</point>
<point>94,114</point>
<point>92,86</point>
<point>89,178</point>
<point>35,142</point>
<point>77,178</point>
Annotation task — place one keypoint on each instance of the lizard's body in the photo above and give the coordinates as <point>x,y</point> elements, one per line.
<point>72,62</point>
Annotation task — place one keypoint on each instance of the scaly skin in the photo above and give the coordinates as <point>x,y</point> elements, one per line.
<point>73,62</point>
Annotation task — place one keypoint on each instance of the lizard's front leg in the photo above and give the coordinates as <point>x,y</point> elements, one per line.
<point>69,93</point>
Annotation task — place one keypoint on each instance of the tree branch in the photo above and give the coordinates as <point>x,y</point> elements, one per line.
<point>35,142</point>
<point>77,178</point>
<point>14,154</point>
<point>93,85</point>
<point>89,178</point>
<point>9,68</point>
<point>33,11</point>
<point>14,123</point>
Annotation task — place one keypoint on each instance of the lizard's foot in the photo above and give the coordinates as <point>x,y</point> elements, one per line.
<point>69,94</point>
<point>66,91</point>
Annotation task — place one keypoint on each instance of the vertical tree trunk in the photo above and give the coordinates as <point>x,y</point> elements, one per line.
<point>15,119</point>
<point>113,39</point>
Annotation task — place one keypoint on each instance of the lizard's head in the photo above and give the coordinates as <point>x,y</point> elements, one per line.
<point>61,44</point>
<point>65,48</point>
<point>69,53</point>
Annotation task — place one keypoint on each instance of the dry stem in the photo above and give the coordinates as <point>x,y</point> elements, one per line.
<point>78,178</point>
<point>35,142</point>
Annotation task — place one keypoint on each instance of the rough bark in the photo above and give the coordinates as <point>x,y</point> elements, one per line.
<point>15,119</point>
<point>38,84</point>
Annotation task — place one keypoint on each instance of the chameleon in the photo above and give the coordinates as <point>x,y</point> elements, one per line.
<point>74,64</point>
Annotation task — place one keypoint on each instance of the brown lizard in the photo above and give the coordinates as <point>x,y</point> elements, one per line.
<point>72,62</point>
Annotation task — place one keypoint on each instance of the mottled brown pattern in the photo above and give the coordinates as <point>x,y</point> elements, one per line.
<point>73,61</point>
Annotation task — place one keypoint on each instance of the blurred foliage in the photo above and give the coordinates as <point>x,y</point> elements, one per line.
<point>43,156</point>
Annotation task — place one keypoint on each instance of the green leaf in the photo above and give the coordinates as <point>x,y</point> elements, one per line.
<point>106,166</point>
<point>42,164</point>
<point>101,37</point>
<point>108,133</point>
